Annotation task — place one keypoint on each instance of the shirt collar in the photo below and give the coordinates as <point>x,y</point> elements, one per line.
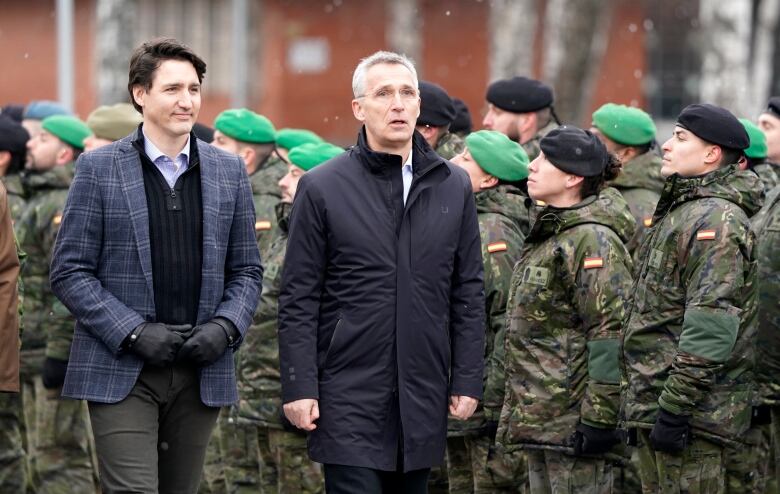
<point>408,164</point>
<point>153,152</point>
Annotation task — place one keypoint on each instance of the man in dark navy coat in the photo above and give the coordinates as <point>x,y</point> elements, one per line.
<point>381,311</point>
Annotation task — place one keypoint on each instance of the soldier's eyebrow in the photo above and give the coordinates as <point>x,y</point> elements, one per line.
<point>680,133</point>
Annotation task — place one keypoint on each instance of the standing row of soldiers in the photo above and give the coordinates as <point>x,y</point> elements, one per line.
<point>622,330</point>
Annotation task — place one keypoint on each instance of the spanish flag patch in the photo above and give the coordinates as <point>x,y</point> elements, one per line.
<point>57,220</point>
<point>496,247</point>
<point>262,225</point>
<point>593,262</point>
<point>705,235</point>
<point>648,222</point>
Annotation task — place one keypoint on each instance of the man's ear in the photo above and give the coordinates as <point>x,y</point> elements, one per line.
<point>64,155</point>
<point>357,110</point>
<point>138,95</point>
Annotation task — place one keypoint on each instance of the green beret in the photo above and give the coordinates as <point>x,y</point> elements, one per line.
<point>68,129</point>
<point>757,149</point>
<point>307,156</point>
<point>290,138</point>
<point>498,155</point>
<point>113,122</point>
<point>245,126</point>
<point>624,124</point>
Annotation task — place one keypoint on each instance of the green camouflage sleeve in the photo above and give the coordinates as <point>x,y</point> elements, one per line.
<point>716,256</point>
<point>59,329</point>
<point>500,253</point>
<point>603,283</point>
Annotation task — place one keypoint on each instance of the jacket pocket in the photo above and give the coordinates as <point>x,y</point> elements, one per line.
<point>332,345</point>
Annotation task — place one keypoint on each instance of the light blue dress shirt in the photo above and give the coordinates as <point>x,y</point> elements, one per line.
<point>171,170</point>
<point>406,174</point>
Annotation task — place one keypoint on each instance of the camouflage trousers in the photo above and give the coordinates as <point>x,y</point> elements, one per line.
<point>260,459</point>
<point>747,467</point>
<point>212,480</point>
<point>13,462</point>
<point>474,465</point>
<point>773,469</point>
<point>626,474</point>
<point>554,472</point>
<point>698,469</point>
<point>59,439</point>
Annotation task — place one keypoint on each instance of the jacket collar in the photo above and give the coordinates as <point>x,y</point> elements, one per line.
<point>423,157</point>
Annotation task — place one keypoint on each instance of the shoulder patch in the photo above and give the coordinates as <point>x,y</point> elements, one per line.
<point>57,220</point>
<point>648,221</point>
<point>496,247</point>
<point>536,275</point>
<point>262,225</point>
<point>593,262</point>
<point>705,235</point>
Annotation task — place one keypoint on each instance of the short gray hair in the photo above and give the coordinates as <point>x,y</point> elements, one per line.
<point>359,76</point>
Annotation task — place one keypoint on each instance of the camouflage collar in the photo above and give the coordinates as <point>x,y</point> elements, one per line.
<point>282,210</point>
<point>13,184</point>
<point>58,177</point>
<point>642,172</point>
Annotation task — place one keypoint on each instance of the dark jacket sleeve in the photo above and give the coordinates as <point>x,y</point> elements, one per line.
<point>75,262</point>
<point>299,298</point>
<point>243,272</point>
<point>9,320</point>
<point>467,306</point>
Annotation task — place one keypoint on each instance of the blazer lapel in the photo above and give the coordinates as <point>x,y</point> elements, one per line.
<point>129,165</point>
<point>210,191</point>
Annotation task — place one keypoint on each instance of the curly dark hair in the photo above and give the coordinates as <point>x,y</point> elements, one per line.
<point>593,185</point>
<point>147,59</point>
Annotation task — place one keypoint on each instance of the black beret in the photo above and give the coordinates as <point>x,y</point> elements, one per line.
<point>462,122</point>
<point>435,105</point>
<point>575,151</point>
<point>773,106</point>
<point>714,124</point>
<point>16,112</point>
<point>203,132</point>
<point>13,137</point>
<point>520,95</point>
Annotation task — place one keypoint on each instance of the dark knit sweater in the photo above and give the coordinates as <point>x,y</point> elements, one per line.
<point>176,238</point>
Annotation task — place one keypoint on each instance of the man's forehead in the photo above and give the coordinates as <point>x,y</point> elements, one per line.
<point>387,74</point>
<point>766,116</point>
<point>180,72</point>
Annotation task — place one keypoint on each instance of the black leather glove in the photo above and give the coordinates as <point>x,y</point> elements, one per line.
<point>208,342</point>
<point>670,433</point>
<point>762,415</point>
<point>157,343</point>
<point>593,440</point>
<point>54,372</point>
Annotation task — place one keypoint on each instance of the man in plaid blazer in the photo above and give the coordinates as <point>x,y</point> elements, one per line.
<point>157,260</point>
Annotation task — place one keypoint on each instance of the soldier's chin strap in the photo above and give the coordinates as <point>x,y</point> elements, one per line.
<point>276,152</point>
<point>555,115</point>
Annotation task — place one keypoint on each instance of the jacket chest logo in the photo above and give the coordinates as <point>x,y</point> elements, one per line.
<point>536,275</point>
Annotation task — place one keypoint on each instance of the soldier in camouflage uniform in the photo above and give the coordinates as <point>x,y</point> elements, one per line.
<point>766,225</point>
<point>261,451</point>
<point>13,467</point>
<point>755,156</point>
<point>629,134</point>
<point>59,441</point>
<point>566,303</point>
<point>688,338</point>
<point>522,109</point>
<point>769,122</point>
<point>286,139</point>
<point>252,137</point>
<point>474,462</point>
<point>437,113</point>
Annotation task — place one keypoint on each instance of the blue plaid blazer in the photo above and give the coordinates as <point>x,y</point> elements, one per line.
<point>102,268</point>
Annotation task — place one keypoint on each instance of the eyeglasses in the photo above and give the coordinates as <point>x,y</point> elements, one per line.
<point>388,95</point>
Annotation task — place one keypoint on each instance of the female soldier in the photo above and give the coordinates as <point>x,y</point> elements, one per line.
<point>564,314</point>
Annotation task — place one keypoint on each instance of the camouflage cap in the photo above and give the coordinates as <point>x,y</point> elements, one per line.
<point>498,155</point>
<point>307,156</point>
<point>757,148</point>
<point>68,129</point>
<point>290,138</point>
<point>246,126</point>
<point>113,122</point>
<point>624,124</point>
